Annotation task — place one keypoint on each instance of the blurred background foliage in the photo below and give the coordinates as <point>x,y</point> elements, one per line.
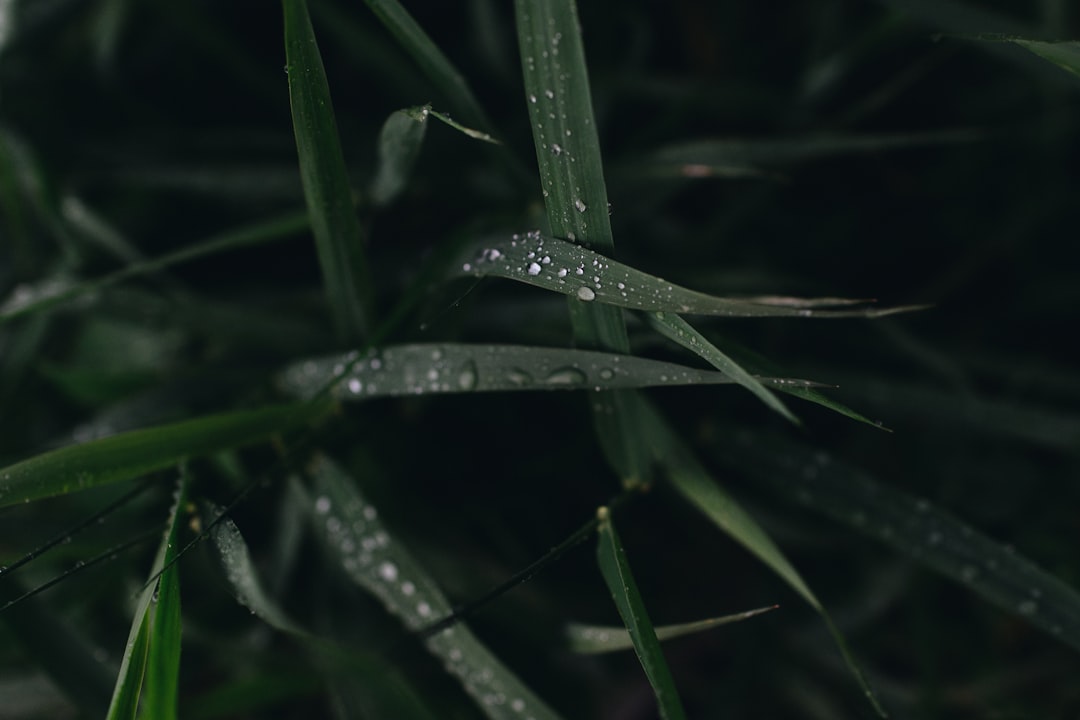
<point>883,150</point>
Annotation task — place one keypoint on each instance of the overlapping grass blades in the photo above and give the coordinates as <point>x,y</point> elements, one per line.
<point>602,639</point>
<point>615,568</point>
<point>914,527</point>
<point>326,183</point>
<point>371,557</point>
<point>131,454</point>
<point>153,646</point>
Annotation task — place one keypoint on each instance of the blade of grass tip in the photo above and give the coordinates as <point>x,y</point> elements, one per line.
<point>675,328</point>
<point>1066,55</point>
<point>594,639</point>
<point>162,694</point>
<point>468,131</point>
<point>575,196</point>
<point>157,628</point>
<point>334,223</point>
<point>50,292</point>
<point>371,557</point>
<point>132,454</point>
<point>693,482</point>
<point>398,148</point>
<point>916,528</point>
<point>620,581</point>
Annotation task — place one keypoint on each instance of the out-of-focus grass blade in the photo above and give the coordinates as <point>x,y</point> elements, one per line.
<point>575,196</point>
<point>131,454</point>
<point>53,291</point>
<point>452,368</point>
<point>1066,55</point>
<point>162,695</point>
<point>326,183</point>
<point>467,131</point>
<point>240,571</point>
<point>916,528</point>
<point>373,559</point>
<point>593,639</point>
<point>399,146</point>
<point>620,581</point>
<point>153,646</point>
<point>584,275</point>
<point>674,327</point>
<point>693,482</point>
<point>433,63</point>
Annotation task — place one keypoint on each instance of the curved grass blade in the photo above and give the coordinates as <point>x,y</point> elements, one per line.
<point>1066,55</point>
<point>371,557</point>
<point>593,639</point>
<point>693,482</point>
<point>620,581</point>
<point>326,184</point>
<point>918,529</point>
<point>456,368</point>
<point>467,131</point>
<point>399,146</point>
<point>131,454</point>
<point>153,646</point>
<point>54,291</point>
<point>675,328</point>
<point>579,273</point>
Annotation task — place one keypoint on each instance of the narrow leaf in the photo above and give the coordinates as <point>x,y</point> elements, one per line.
<point>675,328</point>
<point>1066,55</point>
<point>693,482</point>
<point>602,639</point>
<point>131,454</point>
<point>579,273</point>
<point>620,581</point>
<point>326,183</point>
<point>398,148</point>
<point>916,528</point>
<point>372,558</point>
<point>456,368</point>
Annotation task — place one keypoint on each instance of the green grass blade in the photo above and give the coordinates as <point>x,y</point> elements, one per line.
<point>456,368</point>
<point>162,695</point>
<point>241,574</point>
<point>326,184</point>
<point>675,328</point>
<point>620,581</point>
<point>587,276</point>
<point>1066,55</point>
<point>153,646</point>
<point>693,482</point>
<point>54,291</point>
<point>399,146</point>
<point>592,639</point>
<point>431,60</point>
<point>377,562</point>
<point>916,528</point>
<point>131,454</point>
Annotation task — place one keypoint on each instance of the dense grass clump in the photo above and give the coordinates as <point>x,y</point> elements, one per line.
<point>288,296</point>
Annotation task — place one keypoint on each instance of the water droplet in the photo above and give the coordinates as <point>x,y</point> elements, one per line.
<point>586,294</point>
<point>517,705</point>
<point>388,571</point>
<point>424,609</point>
<point>532,98</point>
<point>534,269</point>
<point>968,573</point>
<point>550,95</point>
<point>322,505</point>
<point>517,376</point>
<point>579,205</point>
<point>1028,607</point>
<point>566,376</point>
<point>407,588</point>
<point>607,373</point>
<point>467,376</point>
<point>562,272</point>
<point>556,149</point>
<point>355,386</point>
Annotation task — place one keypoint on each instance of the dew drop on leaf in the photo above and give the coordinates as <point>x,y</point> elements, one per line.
<point>586,294</point>
<point>467,376</point>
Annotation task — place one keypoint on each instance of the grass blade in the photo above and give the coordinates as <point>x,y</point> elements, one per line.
<point>592,639</point>
<point>153,646</point>
<point>916,528</point>
<point>456,368</point>
<point>326,184</point>
<point>131,454</point>
<point>1066,55</point>
<point>399,146</point>
<point>675,328</point>
<point>692,481</point>
<point>371,557</point>
<point>620,581</point>
<point>587,276</point>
